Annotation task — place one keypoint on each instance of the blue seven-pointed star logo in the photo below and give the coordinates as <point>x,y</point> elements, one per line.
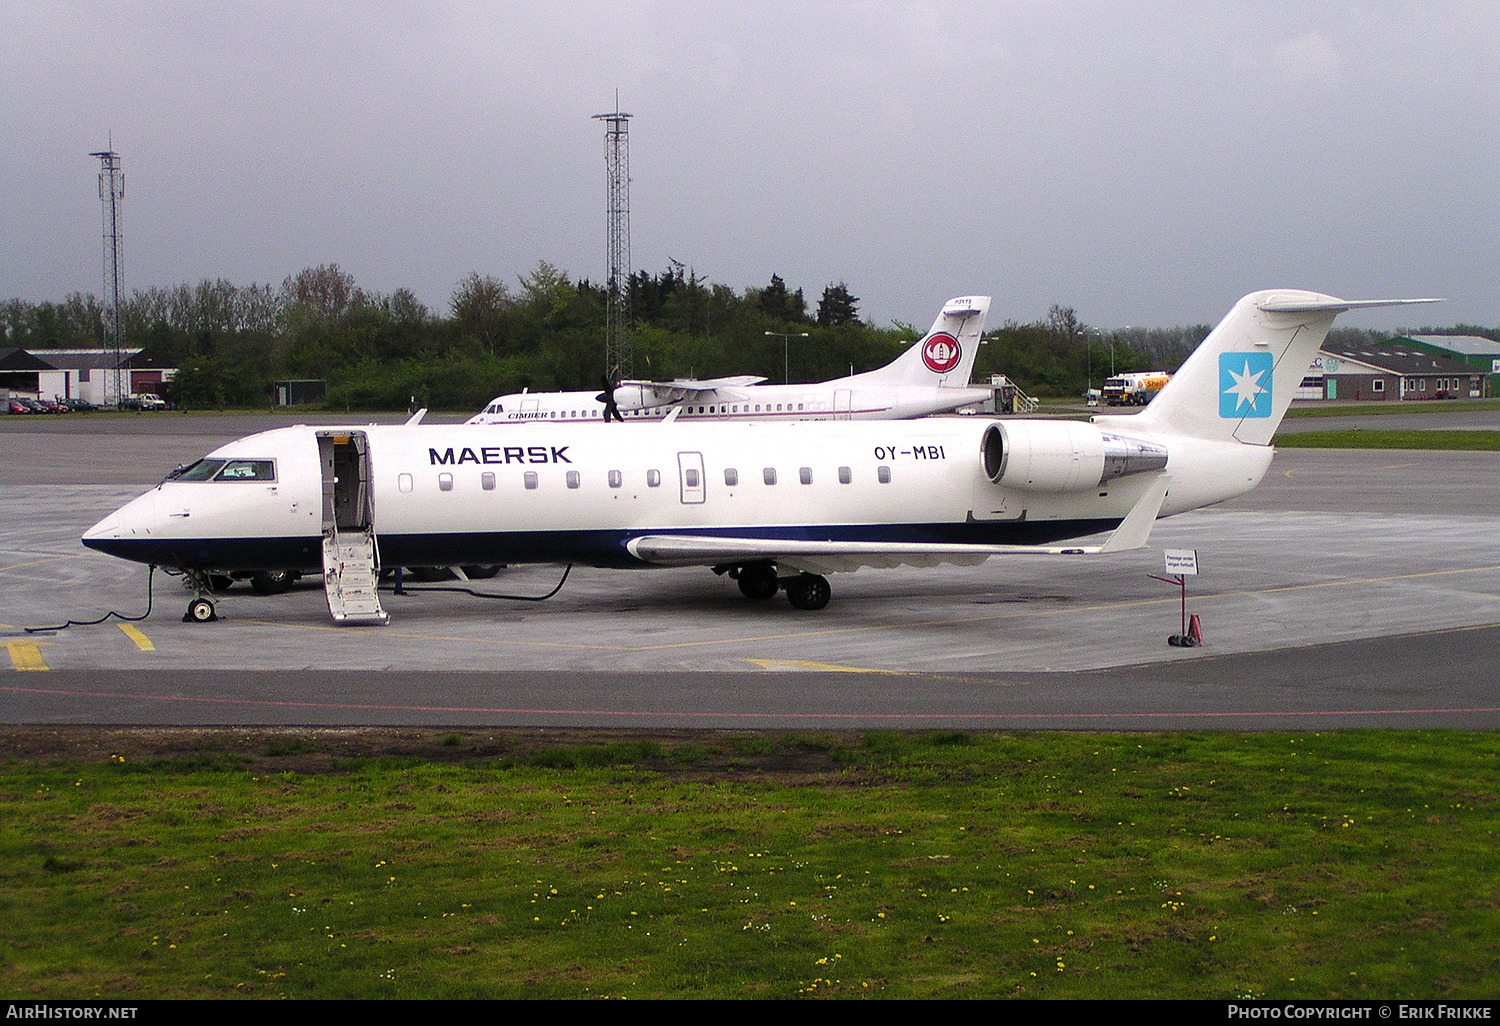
<point>1245,384</point>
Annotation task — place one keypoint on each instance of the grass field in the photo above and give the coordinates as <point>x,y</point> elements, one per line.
<point>1473,441</point>
<point>1376,409</point>
<point>472,863</point>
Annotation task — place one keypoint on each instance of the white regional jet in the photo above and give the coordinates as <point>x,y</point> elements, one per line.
<point>929,377</point>
<point>775,506</point>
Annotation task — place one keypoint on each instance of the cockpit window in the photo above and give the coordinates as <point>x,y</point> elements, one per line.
<point>200,471</point>
<point>226,470</point>
<point>248,470</point>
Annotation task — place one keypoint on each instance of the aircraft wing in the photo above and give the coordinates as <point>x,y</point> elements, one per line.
<point>697,384</point>
<point>821,556</point>
<point>709,384</point>
<point>679,389</point>
<point>832,556</point>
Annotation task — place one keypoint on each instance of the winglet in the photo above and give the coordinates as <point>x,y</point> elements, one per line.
<point>1136,527</point>
<point>415,418</point>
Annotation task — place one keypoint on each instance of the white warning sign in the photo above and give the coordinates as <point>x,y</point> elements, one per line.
<point>1181,561</point>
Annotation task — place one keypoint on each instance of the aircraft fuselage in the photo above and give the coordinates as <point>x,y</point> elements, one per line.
<point>444,495</point>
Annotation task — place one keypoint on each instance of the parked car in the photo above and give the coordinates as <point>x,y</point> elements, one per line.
<point>17,406</point>
<point>80,405</point>
<point>143,401</point>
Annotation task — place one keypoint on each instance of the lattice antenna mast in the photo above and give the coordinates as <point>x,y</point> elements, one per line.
<point>111,192</point>
<point>619,351</point>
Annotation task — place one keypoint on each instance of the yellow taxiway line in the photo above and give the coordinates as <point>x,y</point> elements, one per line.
<point>141,641</point>
<point>27,655</point>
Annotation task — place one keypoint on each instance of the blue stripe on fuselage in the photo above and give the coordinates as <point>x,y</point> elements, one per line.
<point>590,548</point>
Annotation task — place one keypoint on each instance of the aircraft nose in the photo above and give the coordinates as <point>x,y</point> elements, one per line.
<point>132,521</point>
<point>109,527</point>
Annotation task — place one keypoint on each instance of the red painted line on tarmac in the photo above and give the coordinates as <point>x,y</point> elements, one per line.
<point>742,715</point>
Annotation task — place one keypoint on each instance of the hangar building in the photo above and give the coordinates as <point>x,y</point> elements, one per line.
<point>1392,371</point>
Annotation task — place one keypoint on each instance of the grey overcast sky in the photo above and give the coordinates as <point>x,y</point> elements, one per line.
<point>1146,163</point>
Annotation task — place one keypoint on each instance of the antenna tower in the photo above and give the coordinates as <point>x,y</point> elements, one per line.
<point>111,192</point>
<point>619,353</point>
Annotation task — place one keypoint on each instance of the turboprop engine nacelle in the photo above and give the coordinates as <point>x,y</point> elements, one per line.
<point>1063,455</point>
<point>634,397</point>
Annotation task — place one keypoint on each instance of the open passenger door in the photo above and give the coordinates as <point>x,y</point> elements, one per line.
<point>351,558</point>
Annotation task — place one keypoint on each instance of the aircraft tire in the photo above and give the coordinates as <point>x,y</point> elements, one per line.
<point>271,582</point>
<point>758,581</point>
<point>809,591</point>
<point>429,574</point>
<point>200,611</point>
<point>477,572</point>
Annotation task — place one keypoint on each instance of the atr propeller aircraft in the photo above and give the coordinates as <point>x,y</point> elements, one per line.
<point>929,377</point>
<point>774,506</point>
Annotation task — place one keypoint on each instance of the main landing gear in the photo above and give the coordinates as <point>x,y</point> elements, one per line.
<point>760,581</point>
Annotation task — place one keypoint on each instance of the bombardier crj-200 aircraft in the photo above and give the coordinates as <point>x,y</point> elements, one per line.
<point>774,506</point>
<point>929,377</point>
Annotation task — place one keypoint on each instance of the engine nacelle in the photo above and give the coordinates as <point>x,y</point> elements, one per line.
<point>635,397</point>
<point>1063,455</point>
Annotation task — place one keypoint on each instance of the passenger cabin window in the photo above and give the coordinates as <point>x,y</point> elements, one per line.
<point>487,480</point>
<point>884,474</point>
<point>768,475</point>
<point>531,480</point>
<point>731,476</point>
<point>616,479</point>
<point>845,475</point>
<point>690,477</point>
<point>404,482</point>
<point>445,482</point>
<point>653,479</point>
<point>805,475</point>
<point>573,479</point>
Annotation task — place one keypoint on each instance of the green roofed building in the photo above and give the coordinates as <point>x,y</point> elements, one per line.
<point>1390,371</point>
<point>1483,354</point>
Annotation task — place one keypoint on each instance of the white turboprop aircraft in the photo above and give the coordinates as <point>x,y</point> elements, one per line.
<point>929,377</point>
<point>775,506</point>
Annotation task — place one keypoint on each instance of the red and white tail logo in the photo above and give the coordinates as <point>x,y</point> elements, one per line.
<point>941,353</point>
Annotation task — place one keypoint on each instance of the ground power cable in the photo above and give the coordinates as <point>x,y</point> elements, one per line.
<point>150,576</point>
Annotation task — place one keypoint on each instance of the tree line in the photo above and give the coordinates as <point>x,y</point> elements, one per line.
<point>385,351</point>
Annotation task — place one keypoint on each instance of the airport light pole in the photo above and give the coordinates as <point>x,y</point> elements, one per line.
<point>1088,362</point>
<point>786,337</point>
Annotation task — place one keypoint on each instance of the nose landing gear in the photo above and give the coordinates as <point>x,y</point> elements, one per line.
<point>200,608</point>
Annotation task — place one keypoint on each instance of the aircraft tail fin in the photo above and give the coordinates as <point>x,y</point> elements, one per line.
<point>1240,380</point>
<point>943,356</point>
